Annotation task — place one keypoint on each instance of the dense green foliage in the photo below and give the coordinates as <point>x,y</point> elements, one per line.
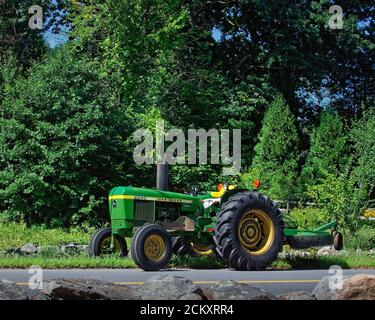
<point>270,69</point>
<point>276,154</point>
<point>15,35</point>
<point>328,151</point>
<point>15,235</point>
<point>58,141</point>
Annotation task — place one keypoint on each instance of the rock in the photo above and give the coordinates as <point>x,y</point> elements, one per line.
<point>190,296</point>
<point>12,252</point>
<point>28,249</point>
<point>12,291</point>
<point>327,287</point>
<point>294,254</point>
<point>79,289</point>
<point>325,251</point>
<point>73,249</point>
<point>323,290</point>
<point>358,287</point>
<point>232,290</point>
<point>297,295</point>
<point>50,252</point>
<point>283,255</point>
<point>169,288</point>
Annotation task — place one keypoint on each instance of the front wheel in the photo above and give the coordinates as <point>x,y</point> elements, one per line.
<point>100,244</point>
<point>151,247</point>
<point>249,231</point>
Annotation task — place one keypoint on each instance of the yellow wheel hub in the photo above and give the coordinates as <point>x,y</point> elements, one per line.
<point>202,249</point>
<point>105,247</point>
<point>256,232</point>
<point>154,247</point>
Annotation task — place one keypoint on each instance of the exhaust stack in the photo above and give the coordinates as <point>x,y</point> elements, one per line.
<point>162,176</point>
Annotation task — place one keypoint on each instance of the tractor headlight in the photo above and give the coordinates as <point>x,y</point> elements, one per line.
<point>209,202</point>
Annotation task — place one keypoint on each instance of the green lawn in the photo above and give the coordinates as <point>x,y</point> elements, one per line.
<point>351,261</point>
<point>15,235</point>
<point>177,262</point>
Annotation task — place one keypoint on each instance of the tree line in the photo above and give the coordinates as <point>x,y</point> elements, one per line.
<point>301,93</point>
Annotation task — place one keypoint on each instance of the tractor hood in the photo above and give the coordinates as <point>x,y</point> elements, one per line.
<point>131,193</point>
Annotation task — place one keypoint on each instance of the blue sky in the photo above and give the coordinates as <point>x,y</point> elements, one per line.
<point>54,40</point>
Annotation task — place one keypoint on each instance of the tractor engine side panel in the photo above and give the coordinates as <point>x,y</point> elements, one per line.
<point>121,213</point>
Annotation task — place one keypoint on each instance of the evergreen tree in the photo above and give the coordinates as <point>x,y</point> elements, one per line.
<point>276,154</point>
<point>363,174</point>
<point>327,154</point>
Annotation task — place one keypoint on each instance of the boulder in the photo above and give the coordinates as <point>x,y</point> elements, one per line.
<point>232,290</point>
<point>73,249</point>
<point>358,287</point>
<point>169,288</point>
<point>12,291</point>
<point>324,290</point>
<point>79,289</point>
<point>28,249</point>
<point>325,251</point>
<point>296,295</point>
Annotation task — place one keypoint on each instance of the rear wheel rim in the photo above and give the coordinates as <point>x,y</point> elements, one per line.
<point>202,249</point>
<point>256,232</point>
<point>154,248</point>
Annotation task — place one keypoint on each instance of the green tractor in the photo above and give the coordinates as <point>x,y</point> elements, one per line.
<point>243,227</point>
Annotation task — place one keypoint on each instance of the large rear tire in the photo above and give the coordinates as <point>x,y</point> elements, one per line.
<point>151,247</point>
<point>249,232</point>
<point>100,244</point>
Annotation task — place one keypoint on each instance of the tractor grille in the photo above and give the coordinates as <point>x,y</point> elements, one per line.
<point>144,210</point>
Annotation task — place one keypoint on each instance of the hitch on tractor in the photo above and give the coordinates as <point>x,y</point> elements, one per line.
<point>243,227</point>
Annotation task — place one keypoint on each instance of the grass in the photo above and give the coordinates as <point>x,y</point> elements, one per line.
<point>111,262</point>
<point>66,263</point>
<point>15,235</point>
<point>350,261</point>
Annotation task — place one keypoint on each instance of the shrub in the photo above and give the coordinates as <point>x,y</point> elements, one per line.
<point>363,239</point>
<point>309,218</point>
<point>338,199</point>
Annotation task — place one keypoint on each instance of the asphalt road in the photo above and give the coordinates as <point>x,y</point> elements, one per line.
<point>276,282</point>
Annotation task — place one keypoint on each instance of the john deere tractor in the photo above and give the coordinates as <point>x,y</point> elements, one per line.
<point>243,227</point>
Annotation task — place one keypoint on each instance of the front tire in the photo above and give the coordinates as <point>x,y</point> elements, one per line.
<point>249,232</point>
<point>100,244</point>
<point>151,247</point>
